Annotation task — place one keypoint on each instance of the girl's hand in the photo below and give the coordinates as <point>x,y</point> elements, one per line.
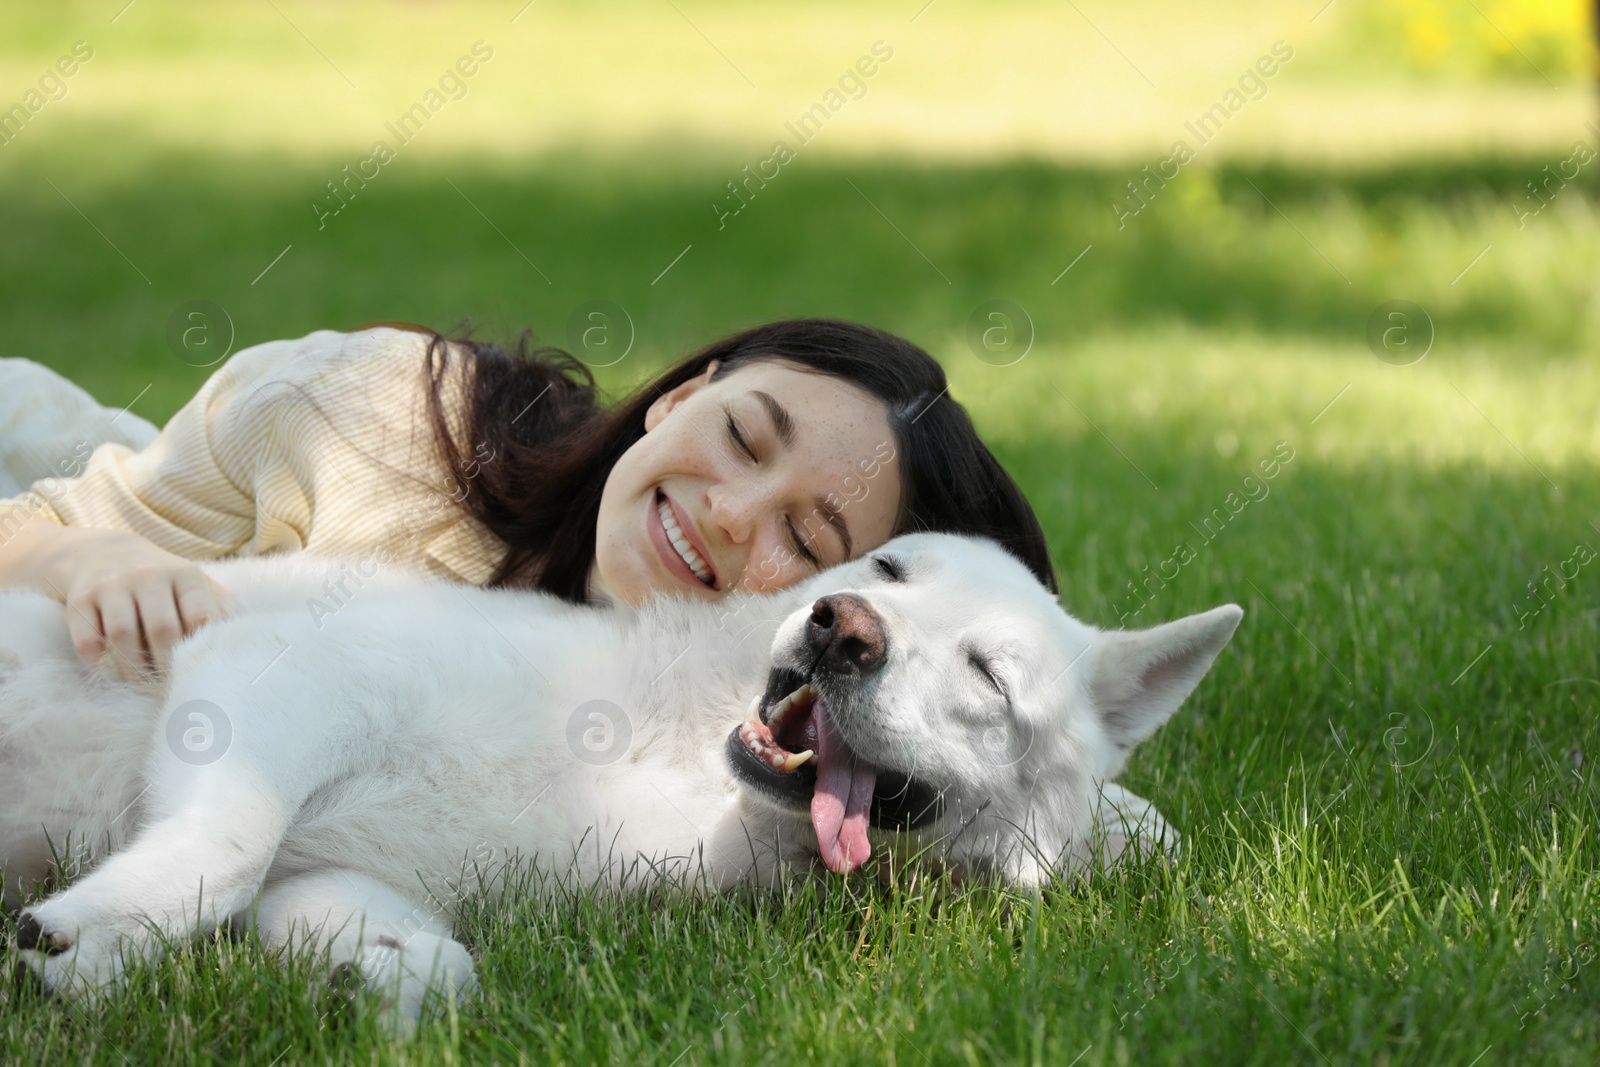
<point>125,595</point>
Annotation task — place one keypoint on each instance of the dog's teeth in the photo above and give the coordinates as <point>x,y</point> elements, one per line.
<point>797,760</point>
<point>804,695</point>
<point>755,711</point>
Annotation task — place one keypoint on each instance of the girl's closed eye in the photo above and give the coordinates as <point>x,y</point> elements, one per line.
<point>736,435</point>
<point>800,545</point>
<point>740,442</point>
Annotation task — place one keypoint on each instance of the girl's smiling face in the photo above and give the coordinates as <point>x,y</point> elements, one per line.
<point>750,482</point>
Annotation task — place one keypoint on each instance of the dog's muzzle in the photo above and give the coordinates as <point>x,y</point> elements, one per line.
<point>847,643</point>
<point>846,635</point>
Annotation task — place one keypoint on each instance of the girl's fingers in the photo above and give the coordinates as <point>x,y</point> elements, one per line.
<point>83,624</point>
<point>158,618</point>
<point>196,600</point>
<point>226,602</point>
<point>137,601</point>
<point>119,621</point>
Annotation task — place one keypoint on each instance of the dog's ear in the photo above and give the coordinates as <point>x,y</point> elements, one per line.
<point>1141,676</point>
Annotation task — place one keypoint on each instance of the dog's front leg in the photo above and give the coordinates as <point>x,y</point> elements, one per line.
<point>216,817</point>
<point>178,879</point>
<point>398,947</point>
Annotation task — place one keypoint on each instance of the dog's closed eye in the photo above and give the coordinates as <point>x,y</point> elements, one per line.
<point>985,666</point>
<point>889,568</point>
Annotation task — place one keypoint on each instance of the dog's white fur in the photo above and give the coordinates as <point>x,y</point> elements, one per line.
<point>331,760</point>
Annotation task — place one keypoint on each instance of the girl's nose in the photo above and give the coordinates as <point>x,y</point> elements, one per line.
<point>728,512</point>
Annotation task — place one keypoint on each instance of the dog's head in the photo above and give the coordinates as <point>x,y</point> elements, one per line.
<point>934,686</point>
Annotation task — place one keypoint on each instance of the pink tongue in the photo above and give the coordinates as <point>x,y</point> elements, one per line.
<point>842,800</point>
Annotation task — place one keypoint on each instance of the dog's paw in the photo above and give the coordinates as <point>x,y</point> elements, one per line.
<point>340,994</point>
<point>348,992</point>
<point>402,977</point>
<point>62,955</point>
<point>32,937</point>
<point>25,985</point>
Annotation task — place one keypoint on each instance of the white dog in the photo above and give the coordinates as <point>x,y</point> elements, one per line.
<point>346,734</point>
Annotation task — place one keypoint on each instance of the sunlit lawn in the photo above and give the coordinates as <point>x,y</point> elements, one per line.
<point>1387,785</point>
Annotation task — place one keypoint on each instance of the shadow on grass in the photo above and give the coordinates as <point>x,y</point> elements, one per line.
<point>910,246</point>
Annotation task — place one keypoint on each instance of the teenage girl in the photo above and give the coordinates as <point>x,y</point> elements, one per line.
<point>752,463</point>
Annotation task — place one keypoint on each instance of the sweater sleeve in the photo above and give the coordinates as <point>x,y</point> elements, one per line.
<point>320,444</point>
<point>191,490</point>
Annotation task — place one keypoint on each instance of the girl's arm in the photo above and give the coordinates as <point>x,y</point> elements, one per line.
<point>116,544</point>
<point>320,444</point>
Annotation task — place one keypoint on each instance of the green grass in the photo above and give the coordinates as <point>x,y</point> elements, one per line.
<point>1387,785</point>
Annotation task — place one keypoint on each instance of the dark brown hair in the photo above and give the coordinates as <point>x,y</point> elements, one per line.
<point>535,411</point>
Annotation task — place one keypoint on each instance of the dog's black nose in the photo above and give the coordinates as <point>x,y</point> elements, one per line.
<point>846,634</point>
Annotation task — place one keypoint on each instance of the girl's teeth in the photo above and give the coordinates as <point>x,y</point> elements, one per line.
<point>679,542</point>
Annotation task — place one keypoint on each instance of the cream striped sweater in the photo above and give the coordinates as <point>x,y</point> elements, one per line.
<point>250,466</point>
